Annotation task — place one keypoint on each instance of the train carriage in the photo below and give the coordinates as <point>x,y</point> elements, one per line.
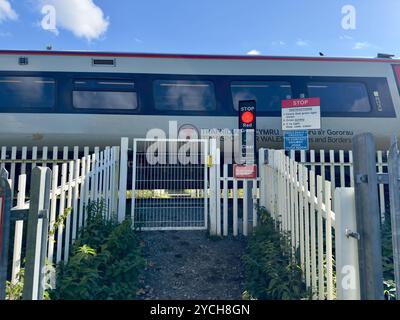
<point>52,98</point>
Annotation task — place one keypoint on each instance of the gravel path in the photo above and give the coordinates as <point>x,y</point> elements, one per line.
<point>187,265</point>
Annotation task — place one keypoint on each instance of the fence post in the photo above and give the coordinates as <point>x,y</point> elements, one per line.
<point>37,234</point>
<point>394,190</point>
<point>218,191</point>
<point>261,170</point>
<point>18,232</point>
<point>5,221</point>
<point>347,268</point>
<point>123,176</point>
<point>273,186</point>
<point>115,181</point>
<point>367,217</point>
<point>213,188</point>
<point>225,199</point>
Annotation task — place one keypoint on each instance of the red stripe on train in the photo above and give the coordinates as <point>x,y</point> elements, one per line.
<point>191,56</point>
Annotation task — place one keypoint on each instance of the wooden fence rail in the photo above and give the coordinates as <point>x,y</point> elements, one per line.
<point>310,196</point>
<point>62,193</point>
<point>301,202</point>
<point>22,160</point>
<point>337,167</point>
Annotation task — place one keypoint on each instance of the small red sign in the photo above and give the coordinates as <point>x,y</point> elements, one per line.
<point>298,103</point>
<point>245,171</point>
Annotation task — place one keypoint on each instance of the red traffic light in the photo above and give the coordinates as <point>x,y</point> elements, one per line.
<point>247,117</point>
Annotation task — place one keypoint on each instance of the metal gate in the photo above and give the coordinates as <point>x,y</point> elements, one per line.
<point>169,184</point>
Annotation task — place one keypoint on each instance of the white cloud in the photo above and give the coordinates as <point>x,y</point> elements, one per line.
<point>345,37</point>
<point>6,11</point>
<point>278,43</point>
<point>302,43</point>
<point>82,17</point>
<point>361,45</point>
<point>254,52</point>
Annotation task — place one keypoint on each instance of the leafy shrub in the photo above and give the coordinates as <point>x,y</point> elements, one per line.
<point>106,261</point>
<point>14,290</point>
<point>271,273</point>
<point>387,249</point>
<point>387,257</point>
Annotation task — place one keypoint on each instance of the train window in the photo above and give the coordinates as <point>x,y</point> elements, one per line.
<point>340,96</point>
<point>104,94</point>
<point>184,95</point>
<point>105,100</point>
<point>268,94</point>
<point>27,93</point>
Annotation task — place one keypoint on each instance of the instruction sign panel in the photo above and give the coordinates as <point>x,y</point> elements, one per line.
<point>301,114</point>
<point>296,140</point>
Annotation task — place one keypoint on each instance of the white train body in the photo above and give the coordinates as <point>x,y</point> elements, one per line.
<point>71,79</point>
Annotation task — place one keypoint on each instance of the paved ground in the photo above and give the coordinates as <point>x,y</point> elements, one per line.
<point>191,265</point>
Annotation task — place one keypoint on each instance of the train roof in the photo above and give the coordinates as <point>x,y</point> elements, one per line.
<point>193,56</point>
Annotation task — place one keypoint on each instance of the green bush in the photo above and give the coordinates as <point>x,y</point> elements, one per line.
<point>106,262</point>
<point>15,290</point>
<point>271,273</point>
<point>387,257</point>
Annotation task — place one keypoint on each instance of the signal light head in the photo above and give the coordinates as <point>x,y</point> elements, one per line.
<point>247,117</point>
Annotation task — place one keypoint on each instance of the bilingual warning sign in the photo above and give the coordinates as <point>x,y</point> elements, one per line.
<point>301,114</point>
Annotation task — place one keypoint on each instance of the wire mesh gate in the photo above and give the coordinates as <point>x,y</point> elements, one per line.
<point>169,184</point>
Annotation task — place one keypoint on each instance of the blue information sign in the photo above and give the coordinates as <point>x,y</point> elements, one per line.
<point>296,140</point>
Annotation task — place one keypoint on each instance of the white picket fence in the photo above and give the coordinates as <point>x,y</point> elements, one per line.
<point>337,167</point>
<point>21,160</point>
<point>302,203</point>
<point>236,194</point>
<point>75,184</point>
<point>298,190</point>
<point>228,195</point>
<point>229,209</point>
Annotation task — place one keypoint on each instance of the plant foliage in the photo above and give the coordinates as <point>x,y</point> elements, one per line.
<point>106,261</point>
<point>271,273</point>
<point>387,257</point>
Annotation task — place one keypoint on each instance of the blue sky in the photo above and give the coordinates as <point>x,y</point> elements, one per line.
<point>270,27</point>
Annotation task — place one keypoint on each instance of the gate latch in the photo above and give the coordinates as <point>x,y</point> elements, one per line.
<point>209,161</point>
<point>352,234</point>
<point>361,178</point>
<point>383,178</point>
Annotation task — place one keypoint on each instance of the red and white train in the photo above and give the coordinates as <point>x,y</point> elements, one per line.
<point>94,98</point>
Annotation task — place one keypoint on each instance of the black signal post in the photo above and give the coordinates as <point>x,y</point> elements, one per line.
<point>247,125</point>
